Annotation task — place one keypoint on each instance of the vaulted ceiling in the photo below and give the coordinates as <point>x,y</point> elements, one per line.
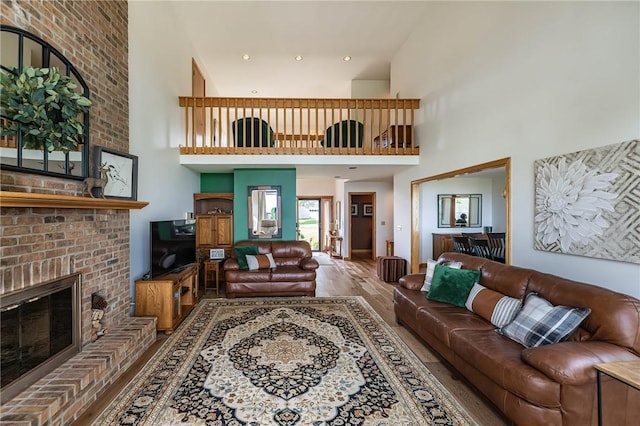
<point>273,33</point>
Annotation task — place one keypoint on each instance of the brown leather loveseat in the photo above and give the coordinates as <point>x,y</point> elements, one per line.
<point>294,273</point>
<point>546,385</point>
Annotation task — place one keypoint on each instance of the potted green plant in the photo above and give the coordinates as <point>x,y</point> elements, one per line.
<point>44,106</point>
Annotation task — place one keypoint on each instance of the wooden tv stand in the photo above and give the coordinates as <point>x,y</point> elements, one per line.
<point>170,297</point>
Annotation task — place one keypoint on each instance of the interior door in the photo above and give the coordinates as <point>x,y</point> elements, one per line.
<point>362,230</point>
<point>310,221</point>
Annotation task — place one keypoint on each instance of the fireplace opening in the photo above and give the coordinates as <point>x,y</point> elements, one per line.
<point>40,329</point>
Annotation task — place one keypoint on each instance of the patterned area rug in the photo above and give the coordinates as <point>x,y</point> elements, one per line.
<point>284,361</point>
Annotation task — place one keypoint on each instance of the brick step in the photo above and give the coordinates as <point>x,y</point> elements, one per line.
<point>62,395</point>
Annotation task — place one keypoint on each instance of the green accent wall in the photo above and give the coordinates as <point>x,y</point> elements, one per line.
<point>216,182</point>
<point>243,178</point>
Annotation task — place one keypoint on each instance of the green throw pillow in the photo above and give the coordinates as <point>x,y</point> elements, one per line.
<point>241,254</point>
<point>452,285</point>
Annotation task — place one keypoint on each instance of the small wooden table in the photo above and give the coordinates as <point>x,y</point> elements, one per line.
<point>212,266</point>
<point>627,372</point>
<point>335,246</point>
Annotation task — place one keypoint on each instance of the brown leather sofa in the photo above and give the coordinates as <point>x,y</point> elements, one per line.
<point>546,385</point>
<point>294,274</point>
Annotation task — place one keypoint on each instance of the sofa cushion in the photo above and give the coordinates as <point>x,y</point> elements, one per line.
<point>240,276</point>
<point>441,319</point>
<point>406,302</point>
<point>492,306</point>
<point>452,285</point>
<point>242,252</point>
<point>500,359</point>
<point>541,323</point>
<point>292,274</point>
<point>260,261</point>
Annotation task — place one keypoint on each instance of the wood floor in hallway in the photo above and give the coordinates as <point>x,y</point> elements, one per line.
<point>357,277</point>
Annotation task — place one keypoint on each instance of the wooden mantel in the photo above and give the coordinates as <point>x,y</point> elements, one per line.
<point>31,199</point>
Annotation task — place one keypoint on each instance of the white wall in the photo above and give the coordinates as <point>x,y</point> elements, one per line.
<point>383,213</point>
<point>369,89</point>
<point>526,81</point>
<point>308,187</point>
<point>159,72</point>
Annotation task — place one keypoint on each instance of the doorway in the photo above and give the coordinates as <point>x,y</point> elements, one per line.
<point>418,218</point>
<point>310,221</point>
<point>362,230</point>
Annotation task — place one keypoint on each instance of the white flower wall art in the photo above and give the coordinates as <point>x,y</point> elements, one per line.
<point>588,203</point>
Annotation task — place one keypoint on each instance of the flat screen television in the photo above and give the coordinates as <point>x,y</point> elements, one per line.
<point>173,245</point>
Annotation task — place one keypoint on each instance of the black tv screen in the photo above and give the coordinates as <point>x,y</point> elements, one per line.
<point>173,245</point>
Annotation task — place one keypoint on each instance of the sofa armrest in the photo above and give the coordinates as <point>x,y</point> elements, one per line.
<point>571,363</point>
<point>231,264</point>
<point>309,264</point>
<point>412,281</point>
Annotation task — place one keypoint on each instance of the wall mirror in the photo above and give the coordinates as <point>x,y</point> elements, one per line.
<point>264,207</point>
<point>459,210</point>
<point>22,49</point>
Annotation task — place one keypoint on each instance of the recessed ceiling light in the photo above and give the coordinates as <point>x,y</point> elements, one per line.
<point>298,58</point>
<point>246,57</point>
<point>346,58</point>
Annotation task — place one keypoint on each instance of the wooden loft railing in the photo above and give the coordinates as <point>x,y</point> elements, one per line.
<point>299,126</point>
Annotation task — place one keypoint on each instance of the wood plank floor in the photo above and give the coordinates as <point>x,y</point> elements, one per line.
<point>349,278</point>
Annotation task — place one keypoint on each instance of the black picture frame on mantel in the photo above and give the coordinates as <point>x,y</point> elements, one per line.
<point>122,172</point>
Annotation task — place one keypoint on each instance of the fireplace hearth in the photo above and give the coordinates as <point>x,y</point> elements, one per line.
<point>40,329</point>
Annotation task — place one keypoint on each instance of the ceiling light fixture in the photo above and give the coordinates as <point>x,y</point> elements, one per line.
<point>254,91</point>
<point>298,58</point>
<point>346,58</point>
<point>246,57</point>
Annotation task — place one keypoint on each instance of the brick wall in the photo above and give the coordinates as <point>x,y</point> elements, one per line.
<point>38,244</point>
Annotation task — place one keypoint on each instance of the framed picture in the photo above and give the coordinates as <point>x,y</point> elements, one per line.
<point>216,253</point>
<point>354,209</point>
<point>367,209</point>
<point>593,189</point>
<point>120,170</point>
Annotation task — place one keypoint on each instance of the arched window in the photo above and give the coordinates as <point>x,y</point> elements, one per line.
<point>22,49</point>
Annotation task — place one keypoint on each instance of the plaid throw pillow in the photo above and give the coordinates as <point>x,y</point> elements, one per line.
<point>260,261</point>
<point>540,323</point>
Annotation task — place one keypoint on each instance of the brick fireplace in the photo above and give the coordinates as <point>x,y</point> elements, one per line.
<point>39,244</point>
<point>40,328</point>
<point>43,244</point>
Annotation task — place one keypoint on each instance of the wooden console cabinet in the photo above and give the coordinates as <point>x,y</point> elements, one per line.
<point>169,297</point>
<point>214,221</point>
